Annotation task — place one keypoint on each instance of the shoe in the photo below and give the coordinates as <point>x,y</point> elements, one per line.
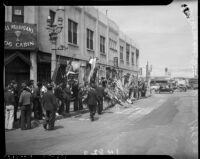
<point>92,119</point>
<point>45,126</point>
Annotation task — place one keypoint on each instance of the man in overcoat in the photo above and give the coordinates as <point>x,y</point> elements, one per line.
<point>92,100</point>
<point>100,93</point>
<point>49,108</point>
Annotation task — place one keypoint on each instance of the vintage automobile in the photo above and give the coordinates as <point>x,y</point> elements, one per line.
<point>182,87</point>
<point>166,88</point>
<point>155,87</point>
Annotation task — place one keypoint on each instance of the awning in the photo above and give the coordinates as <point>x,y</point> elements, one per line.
<point>15,55</point>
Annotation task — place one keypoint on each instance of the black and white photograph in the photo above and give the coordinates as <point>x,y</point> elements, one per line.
<point>101,79</point>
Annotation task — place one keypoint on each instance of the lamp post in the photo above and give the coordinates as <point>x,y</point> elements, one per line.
<point>54,30</point>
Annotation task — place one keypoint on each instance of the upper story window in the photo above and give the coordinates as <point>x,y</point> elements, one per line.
<point>52,15</point>
<point>132,58</point>
<point>90,39</point>
<point>121,53</point>
<point>18,14</point>
<point>127,53</point>
<point>102,44</point>
<point>113,44</point>
<point>72,31</point>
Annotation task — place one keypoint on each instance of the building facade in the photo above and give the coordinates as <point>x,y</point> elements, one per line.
<point>86,33</point>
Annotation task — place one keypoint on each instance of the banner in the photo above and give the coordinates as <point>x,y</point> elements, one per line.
<point>20,36</point>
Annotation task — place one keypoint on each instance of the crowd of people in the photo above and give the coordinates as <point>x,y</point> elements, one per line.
<point>48,99</point>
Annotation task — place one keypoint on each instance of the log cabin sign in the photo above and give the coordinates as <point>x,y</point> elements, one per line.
<point>20,36</point>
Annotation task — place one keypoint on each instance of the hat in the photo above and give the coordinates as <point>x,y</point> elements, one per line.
<point>23,84</point>
<point>49,86</point>
<point>13,82</point>
<point>39,84</point>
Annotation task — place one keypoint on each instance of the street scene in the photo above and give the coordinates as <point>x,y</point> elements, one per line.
<point>86,80</point>
<point>163,124</point>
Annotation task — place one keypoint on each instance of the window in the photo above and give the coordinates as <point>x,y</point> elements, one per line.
<point>89,39</point>
<point>102,44</point>
<point>132,58</point>
<point>52,15</point>
<point>127,53</point>
<point>113,44</point>
<point>72,31</point>
<point>18,14</point>
<point>121,54</point>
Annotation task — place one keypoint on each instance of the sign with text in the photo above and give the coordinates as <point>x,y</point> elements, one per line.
<point>20,36</point>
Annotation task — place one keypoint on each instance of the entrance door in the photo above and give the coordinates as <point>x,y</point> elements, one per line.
<point>17,70</point>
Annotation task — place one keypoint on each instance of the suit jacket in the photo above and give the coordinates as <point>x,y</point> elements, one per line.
<point>100,92</point>
<point>92,97</point>
<point>49,101</point>
<point>67,93</point>
<point>9,98</point>
<point>25,98</point>
<point>75,90</point>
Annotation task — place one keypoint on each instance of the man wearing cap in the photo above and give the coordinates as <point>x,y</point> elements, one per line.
<point>9,101</point>
<point>16,95</point>
<point>100,93</point>
<point>92,100</point>
<point>49,108</point>
<point>25,102</point>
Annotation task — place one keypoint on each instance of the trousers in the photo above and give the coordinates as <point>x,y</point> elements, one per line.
<point>100,106</point>
<point>92,109</point>
<point>49,120</point>
<point>9,116</point>
<point>26,117</point>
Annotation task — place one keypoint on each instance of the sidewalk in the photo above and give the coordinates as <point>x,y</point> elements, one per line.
<point>36,123</point>
<point>106,105</point>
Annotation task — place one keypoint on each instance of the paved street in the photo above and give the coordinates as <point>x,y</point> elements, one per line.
<point>161,124</point>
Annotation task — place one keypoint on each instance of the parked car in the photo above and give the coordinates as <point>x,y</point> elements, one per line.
<point>166,88</point>
<point>182,87</point>
<point>155,87</point>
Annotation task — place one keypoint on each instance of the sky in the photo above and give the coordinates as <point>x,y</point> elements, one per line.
<point>166,38</point>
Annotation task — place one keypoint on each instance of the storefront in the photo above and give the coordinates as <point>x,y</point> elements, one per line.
<point>43,66</point>
<point>20,46</point>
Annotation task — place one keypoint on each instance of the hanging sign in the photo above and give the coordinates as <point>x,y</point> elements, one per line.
<point>20,36</point>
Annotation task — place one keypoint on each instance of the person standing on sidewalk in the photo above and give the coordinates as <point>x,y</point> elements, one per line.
<point>9,101</point>
<point>67,97</point>
<point>80,97</point>
<point>100,93</point>
<point>75,95</point>
<point>25,103</point>
<point>92,100</point>
<point>49,108</point>
<point>37,102</point>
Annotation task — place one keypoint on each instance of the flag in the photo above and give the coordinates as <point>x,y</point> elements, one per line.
<point>93,64</point>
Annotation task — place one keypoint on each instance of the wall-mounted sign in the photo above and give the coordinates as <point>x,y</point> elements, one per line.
<point>20,36</point>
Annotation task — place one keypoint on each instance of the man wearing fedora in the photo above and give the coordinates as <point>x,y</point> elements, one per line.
<point>49,108</point>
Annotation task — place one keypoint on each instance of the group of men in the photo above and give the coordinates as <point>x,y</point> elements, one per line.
<point>137,89</point>
<point>46,100</point>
